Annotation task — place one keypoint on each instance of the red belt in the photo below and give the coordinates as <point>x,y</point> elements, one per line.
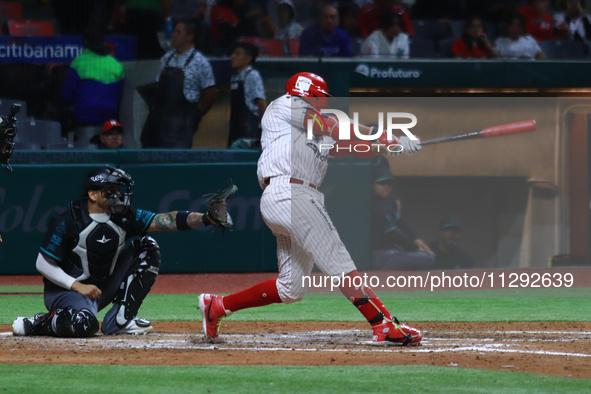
<point>295,180</point>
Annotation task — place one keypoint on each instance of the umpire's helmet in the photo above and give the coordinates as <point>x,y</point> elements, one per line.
<point>105,177</point>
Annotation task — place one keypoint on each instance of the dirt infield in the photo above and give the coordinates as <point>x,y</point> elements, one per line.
<point>555,349</point>
<point>562,349</point>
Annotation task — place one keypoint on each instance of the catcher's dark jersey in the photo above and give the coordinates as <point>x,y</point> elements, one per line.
<point>86,246</point>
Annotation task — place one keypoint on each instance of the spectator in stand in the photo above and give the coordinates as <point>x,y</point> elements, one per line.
<point>348,16</point>
<point>326,39</point>
<point>388,40</point>
<point>538,22</point>
<point>223,26</point>
<point>370,16</point>
<point>185,92</point>
<point>473,44</point>
<point>252,15</point>
<point>287,27</point>
<point>111,137</point>
<point>394,244</point>
<point>517,44</point>
<point>143,19</point>
<point>94,83</point>
<point>448,254</point>
<point>573,23</point>
<point>248,101</point>
<point>224,23</point>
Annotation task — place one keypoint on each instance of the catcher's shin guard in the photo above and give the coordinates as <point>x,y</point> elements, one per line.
<point>65,323</point>
<point>137,285</point>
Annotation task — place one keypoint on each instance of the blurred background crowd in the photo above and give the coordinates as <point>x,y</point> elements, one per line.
<point>84,93</point>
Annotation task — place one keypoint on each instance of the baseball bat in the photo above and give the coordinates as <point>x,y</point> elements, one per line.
<point>493,131</point>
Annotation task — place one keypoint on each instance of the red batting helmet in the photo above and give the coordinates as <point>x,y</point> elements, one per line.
<point>308,85</point>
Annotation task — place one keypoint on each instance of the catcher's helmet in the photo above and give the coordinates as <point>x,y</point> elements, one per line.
<point>106,177</point>
<point>310,86</point>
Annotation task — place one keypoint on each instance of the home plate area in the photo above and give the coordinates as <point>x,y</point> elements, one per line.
<point>550,348</point>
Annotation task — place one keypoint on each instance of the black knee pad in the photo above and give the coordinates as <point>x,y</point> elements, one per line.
<point>147,250</point>
<point>75,323</point>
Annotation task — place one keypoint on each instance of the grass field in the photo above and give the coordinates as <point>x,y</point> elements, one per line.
<point>486,306</point>
<point>264,379</point>
<point>482,306</point>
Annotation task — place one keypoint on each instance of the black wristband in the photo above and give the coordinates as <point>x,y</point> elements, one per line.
<point>181,220</point>
<point>206,220</point>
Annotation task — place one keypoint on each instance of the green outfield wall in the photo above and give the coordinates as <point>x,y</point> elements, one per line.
<point>33,193</point>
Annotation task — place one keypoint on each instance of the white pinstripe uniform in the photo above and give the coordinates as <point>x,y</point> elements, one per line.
<point>295,213</point>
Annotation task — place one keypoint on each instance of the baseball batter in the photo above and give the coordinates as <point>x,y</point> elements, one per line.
<point>290,170</point>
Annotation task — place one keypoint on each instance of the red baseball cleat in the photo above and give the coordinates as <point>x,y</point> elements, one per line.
<point>394,333</point>
<point>212,311</point>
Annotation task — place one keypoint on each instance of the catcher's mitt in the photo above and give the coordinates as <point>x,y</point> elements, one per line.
<point>217,211</point>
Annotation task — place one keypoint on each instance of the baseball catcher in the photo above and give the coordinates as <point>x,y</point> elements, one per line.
<point>7,134</point>
<point>87,266</point>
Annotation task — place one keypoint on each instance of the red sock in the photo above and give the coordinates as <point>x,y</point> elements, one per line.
<point>261,294</point>
<point>364,299</point>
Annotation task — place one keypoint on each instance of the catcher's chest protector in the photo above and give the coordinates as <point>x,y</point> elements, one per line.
<point>100,241</point>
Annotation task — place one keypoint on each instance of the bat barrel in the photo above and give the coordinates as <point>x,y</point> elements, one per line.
<point>493,131</point>
<point>510,128</point>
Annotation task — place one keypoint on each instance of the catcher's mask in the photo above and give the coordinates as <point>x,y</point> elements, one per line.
<point>107,179</point>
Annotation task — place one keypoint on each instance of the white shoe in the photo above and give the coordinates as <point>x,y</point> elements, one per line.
<point>18,327</point>
<point>135,327</point>
<point>36,325</point>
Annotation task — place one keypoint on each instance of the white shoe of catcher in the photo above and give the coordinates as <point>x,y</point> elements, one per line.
<point>19,327</point>
<point>135,327</point>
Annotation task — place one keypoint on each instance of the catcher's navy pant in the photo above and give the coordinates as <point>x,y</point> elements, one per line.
<point>67,299</point>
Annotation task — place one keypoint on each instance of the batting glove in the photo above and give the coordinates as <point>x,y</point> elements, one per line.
<point>409,146</point>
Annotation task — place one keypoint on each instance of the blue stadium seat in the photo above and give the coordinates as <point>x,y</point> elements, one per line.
<point>563,49</point>
<point>431,29</point>
<point>444,47</point>
<point>86,133</point>
<point>26,145</point>
<point>422,47</point>
<point>39,132</point>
